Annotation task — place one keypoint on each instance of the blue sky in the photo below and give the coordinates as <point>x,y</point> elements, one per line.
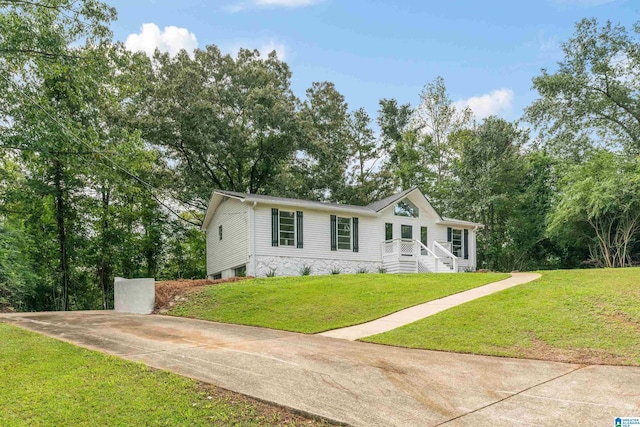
<point>487,51</point>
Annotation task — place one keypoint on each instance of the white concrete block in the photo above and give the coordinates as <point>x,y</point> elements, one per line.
<point>136,296</point>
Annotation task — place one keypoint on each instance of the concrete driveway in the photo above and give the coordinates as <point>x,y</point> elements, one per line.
<point>357,383</point>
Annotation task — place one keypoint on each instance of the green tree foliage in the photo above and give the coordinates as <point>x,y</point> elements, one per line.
<point>489,171</point>
<point>593,97</point>
<point>599,208</point>
<point>437,117</point>
<point>228,123</point>
<point>77,181</point>
<point>324,151</point>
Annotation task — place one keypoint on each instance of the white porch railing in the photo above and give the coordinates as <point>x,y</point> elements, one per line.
<point>445,253</point>
<point>398,248</point>
<point>425,259</point>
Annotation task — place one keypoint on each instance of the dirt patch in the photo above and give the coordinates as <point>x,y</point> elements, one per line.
<point>258,412</point>
<point>584,356</point>
<point>622,318</point>
<point>170,292</point>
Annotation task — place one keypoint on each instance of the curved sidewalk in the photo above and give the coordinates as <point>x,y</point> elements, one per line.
<point>415,313</point>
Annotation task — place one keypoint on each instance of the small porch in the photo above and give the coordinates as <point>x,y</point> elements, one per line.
<point>412,256</point>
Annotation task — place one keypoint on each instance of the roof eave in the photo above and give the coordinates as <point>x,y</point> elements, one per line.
<point>313,206</point>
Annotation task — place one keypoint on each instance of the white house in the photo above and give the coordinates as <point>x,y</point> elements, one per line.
<point>256,235</point>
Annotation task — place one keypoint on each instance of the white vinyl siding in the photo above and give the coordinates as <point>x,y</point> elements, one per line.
<point>232,250</point>
<point>317,236</point>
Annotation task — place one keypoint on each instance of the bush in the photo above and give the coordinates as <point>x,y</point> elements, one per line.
<point>306,270</point>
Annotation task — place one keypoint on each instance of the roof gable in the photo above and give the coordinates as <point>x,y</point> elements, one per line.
<point>381,204</point>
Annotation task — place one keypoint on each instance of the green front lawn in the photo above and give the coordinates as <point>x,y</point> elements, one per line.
<point>45,382</point>
<point>584,316</point>
<point>312,304</point>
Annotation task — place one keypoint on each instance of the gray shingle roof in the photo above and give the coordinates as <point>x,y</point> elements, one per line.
<point>381,204</point>
<point>296,202</point>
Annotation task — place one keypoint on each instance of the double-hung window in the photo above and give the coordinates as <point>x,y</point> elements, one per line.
<point>344,233</point>
<point>287,225</point>
<point>456,242</point>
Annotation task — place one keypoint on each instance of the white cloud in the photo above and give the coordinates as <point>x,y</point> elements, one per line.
<point>171,39</point>
<point>251,4</point>
<point>496,102</point>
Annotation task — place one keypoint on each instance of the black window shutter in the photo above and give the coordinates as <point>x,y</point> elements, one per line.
<point>355,234</point>
<point>449,234</point>
<point>274,227</point>
<point>334,231</point>
<point>299,229</point>
<point>466,244</point>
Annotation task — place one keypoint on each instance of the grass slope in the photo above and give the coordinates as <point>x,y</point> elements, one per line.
<point>584,316</point>
<point>45,382</point>
<point>314,304</point>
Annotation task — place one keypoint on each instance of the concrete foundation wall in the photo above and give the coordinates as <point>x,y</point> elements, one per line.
<point>136,296</point>
<point>292,266</point>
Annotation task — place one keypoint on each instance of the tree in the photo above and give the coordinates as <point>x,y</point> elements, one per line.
<point>323,159</point>
<point>228,123</point>
<point>488,171</point>
<point>593,98</point>
<point>599,208</point>
<point>438,117</point>
<point>365,180</point>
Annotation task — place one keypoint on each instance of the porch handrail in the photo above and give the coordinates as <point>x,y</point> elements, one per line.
<point>420,244</point>
<point>436,258</point>
<point>448,254</point>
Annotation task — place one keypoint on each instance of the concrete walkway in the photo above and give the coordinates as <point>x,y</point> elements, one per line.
<point>357,383</point>
<point>415,313</point>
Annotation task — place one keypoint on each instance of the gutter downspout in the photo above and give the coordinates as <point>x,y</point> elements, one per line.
<point>475,247</point>
<point>253,235</point>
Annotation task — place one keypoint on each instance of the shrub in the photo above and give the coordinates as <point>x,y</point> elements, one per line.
<point>306,270</point>
<point>272,272</point>
<point>335,270</point>
<point>362,270</point>
<point>382,270</point>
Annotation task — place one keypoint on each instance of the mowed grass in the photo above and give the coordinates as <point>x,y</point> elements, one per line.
<point>583,316</point>
<point>312,304</point>
<point>45,382</point>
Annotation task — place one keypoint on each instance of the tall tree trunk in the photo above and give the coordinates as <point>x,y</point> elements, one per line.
<point>62,232</point>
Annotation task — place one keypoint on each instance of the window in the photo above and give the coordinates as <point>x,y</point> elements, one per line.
<point>388,231</point>
<point>424,239</point>
<point>240,271</point>
<point>456,242</point>
<point>219,232</point>
<point>217,276</point>
<point>287,228</point>
<point>406,208</point>
<point>344,233</point>
<point>406,231</point>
